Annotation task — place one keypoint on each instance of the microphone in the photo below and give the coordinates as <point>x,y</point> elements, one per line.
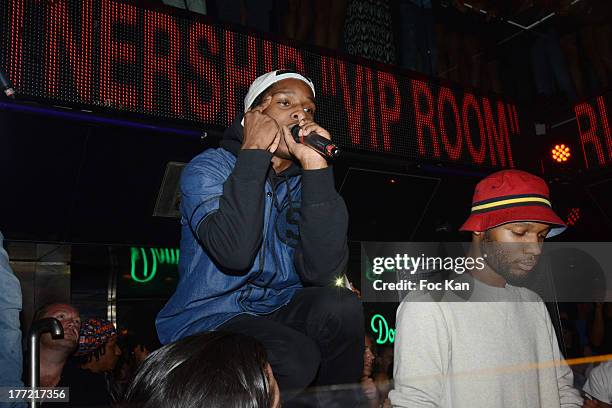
<point>321,145</point>
<point>6,86</point>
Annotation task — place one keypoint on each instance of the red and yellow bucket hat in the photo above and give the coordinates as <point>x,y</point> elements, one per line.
<point>512,196</point>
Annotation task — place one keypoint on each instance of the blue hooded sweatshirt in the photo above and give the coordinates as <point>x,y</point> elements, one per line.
<point>250,237</point>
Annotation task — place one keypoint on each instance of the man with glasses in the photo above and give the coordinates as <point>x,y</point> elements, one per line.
<point>263,240</point>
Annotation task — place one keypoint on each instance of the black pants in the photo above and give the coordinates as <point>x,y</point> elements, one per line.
<point>316,339</point>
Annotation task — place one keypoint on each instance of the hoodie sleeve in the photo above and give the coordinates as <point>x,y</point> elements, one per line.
<point>10,306</point>
<point>226,214</point>
<point>323,253</point>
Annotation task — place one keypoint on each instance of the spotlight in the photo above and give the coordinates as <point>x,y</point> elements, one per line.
<point>561,153</point>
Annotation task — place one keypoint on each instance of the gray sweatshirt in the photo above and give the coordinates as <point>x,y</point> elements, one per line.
<point>480,354</point>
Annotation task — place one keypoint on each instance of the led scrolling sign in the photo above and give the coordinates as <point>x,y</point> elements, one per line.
<point>113,54</point>
<point>594,130</point>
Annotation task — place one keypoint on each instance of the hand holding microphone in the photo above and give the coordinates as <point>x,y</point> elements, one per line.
<point>310,144</point>
<point>320,144</point>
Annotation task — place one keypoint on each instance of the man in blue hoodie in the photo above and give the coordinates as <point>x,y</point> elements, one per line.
<point>263,240</point>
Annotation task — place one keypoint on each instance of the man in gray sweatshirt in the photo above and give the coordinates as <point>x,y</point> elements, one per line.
<point>500,350</point>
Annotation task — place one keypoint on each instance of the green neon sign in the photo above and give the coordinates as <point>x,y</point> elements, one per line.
<point>150,259</point>
<point>381,328</point>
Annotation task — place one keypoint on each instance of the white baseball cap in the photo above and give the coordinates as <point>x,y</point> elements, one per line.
<point>262,83</point>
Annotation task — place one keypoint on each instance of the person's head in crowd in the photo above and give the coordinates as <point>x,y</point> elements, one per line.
<point>136,344</point>
<point>212,369</point>
<point>287,97</point>
<point>369,355</point>
<point>70,320</point>
<point>134,348</point>
<point>384,361</point>
<point>55,352</point>
<point>598,387</point>
<point>368,386</point>
<point>98,350</point>
<point>510,218</point>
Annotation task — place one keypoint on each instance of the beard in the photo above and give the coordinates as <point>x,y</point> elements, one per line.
<point>501,257</point>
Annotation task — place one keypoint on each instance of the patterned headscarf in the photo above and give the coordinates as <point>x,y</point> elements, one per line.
<point>94,334</point>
